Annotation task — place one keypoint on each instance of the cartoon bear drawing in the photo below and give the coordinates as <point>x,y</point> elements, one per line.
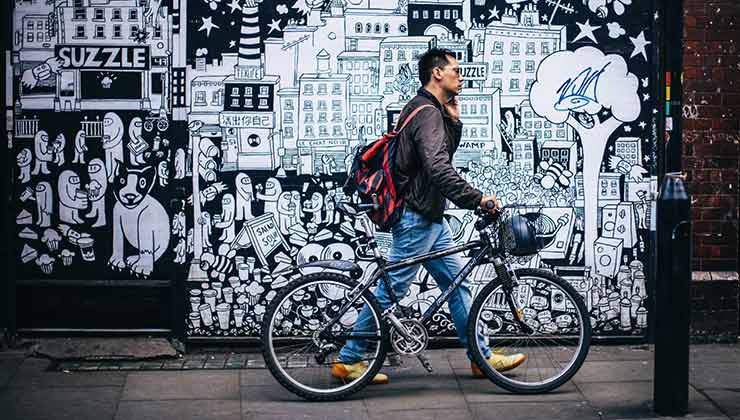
<point>139,218</point>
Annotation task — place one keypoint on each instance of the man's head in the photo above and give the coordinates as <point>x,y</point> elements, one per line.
<point>439,69</point>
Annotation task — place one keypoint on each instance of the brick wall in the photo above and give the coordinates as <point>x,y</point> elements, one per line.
<point>711,136</point>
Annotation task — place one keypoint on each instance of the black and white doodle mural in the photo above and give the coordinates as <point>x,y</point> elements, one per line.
<point>101,182</point>
<point>216,135</point>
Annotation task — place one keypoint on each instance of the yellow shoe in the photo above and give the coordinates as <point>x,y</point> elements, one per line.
<point>499,362</point>
<point>350,372</point>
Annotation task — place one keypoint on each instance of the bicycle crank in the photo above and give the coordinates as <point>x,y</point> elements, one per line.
<point>412,341</point>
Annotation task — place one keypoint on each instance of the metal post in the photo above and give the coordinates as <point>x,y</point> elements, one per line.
<point>8,318</point>
<point>672,309</point>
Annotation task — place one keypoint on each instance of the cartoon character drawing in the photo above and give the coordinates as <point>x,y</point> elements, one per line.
<point>180,162</point>
<point>313,206</point>
<point>72,198</point>
<point>139,218</point>
<point>136,144</point>
<point>332,216</point>
<point>180,251</point>
<point>179,224</point>
<point>23,159</point>
<point>44,153</point>
<point>96,191</point>
<point>244,197</point>
<point>112,143</point>
<point>273,189</point>
<point>44,203</point>
<point>58,147</point>
<point>286,212</point>
<point>205,229</point>
<point>226,221</point>
<point>295,197</point>
<point>80,147</point>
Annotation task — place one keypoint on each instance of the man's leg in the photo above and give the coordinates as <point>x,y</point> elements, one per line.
<point>444,270</point>
<point>412,236</point>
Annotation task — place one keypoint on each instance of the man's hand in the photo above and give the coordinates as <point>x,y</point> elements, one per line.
<point>453,108</point>
<point>489,198</point>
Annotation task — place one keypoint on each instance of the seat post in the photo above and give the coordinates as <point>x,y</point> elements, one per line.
<point>365,221</point>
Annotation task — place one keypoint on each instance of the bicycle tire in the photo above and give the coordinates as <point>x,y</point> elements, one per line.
<point>501,380</point>
<point>273,364</point>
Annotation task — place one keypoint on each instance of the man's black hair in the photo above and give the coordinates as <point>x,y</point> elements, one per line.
<point>435,57</point>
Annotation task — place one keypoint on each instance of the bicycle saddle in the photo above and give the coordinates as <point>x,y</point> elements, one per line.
<point>353,269</point>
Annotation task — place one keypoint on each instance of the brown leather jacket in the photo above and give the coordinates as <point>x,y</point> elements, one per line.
<point>424,160</point>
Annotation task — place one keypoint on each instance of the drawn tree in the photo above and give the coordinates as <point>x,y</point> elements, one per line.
<point>594,94</point>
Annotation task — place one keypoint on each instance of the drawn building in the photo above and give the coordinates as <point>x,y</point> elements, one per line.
<point>34,40</point>
<point>480,114</point>
<point>365,103</point>
<point>524,153</point>
<point>367,27</point>
<point>628,148</point>
<point>437,17</point>
<point>541,128</point>
<point>514,47</point>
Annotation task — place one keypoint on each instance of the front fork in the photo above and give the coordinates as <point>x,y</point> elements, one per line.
<point>509,281</point>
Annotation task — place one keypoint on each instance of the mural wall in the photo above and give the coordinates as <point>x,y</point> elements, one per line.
<point>255,109</point>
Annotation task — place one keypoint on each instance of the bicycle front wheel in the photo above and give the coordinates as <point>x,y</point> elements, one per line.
<point>555,340</point>
<point>300,349</point>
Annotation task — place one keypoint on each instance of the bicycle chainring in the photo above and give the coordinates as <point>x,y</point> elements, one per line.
<point>417,331</point>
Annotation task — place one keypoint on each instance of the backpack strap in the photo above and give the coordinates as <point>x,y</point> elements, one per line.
<point>412,115</point>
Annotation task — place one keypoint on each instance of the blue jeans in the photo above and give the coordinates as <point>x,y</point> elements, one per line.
<point>414,235</point>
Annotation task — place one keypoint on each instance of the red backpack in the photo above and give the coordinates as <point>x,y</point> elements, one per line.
<point>372,177</point>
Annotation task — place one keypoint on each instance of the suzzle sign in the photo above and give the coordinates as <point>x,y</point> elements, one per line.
<point>102,57</point>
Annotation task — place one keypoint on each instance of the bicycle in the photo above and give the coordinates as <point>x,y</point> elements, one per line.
<point>529,310</point>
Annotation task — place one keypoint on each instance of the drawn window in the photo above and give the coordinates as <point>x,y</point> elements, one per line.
<point>483,108</point>
<point>530,82</point>
<point>514,85</point>
<point>200,98</point>
<point>158,32</point>
<point>99,31</point>
<point>358,27</point>
<point>29,37</point>
<point>528,20</point>
<point>425,14</point>
<point>323,131</point>
<point>498,47</point>
<point>116,14</point>
<point>545,48</point>
<point>288,132</point>
<point>133,14</point>
<point>498,66</point>
<point>528,124</point>
<point>308,117</point>
<point>388,55</point>
<point>516,66</point>
<point>235,102</point>
<point>548,124</point>
<point>80,13</point>
<point>134,31</point>
<point>336,105</point>
<point>484,132</point>
<point>99,14</point>
<point>307,105</point>
<point>437,14</point>
<point>389,71</point>
<point>336,89</point>
<point>368,28</point>
<point>447,13</point>
<point>217,97</point>
<point>264,91</point>
<point>515,48</point>
<point>289,104</point>
<point>530,66</point>
<point>80,31</point>
<point>309,131</point>
<point>415,14</point>
<point>497,83</point>
<point>377,28</point>
<point>337,131</point>
<point>455,15</point>
<point>474,132</point>
<point>263,103</point>
<point>288,117</point>
<point>386,28</point>
<point>464,109</point>
<point>530,48</point>
<point>308,89</point>
<point>247,91</point>
<point>322,89</point>
<point>235,91</point>
<point>322,105</point>
<point>538,124</point>
<point>548,134</point>
<point>401,55</point>
<point>336,117</point>
<point>560,133</point>
<point>117,31</point>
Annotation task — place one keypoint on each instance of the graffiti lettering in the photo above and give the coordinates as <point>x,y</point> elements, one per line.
<point>580,91</point>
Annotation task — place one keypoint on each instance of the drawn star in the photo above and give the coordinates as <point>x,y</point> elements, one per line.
<point>587,31</point>
<point>655,110</point>
<point>645,96</point>
<point>640,43</point>
<point>232,43</point>
<point>234,5</point>
<point>627,129</point>
<point>642,124</point>
<point>274,26</point>
<point>646,159</point>
<point>544,18</point>
<point>493,13</point>
<point>208,25</point>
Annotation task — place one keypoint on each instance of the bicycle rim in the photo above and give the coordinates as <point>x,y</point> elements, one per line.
<point>292,344</point>
<point>554,350</point>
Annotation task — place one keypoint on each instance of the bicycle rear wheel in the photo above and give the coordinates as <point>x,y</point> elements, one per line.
<point>555,345</point>
<point>296,351</point>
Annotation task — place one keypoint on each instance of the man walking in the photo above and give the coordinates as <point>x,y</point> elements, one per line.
<point>427,178</point>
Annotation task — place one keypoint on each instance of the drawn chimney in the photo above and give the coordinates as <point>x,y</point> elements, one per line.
<point>322,62</point>
<point>249,64</point>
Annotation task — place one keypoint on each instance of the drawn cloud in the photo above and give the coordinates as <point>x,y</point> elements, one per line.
<point>615,30</point>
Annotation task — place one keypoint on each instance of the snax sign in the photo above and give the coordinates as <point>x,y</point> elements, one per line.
<point>101,57</point>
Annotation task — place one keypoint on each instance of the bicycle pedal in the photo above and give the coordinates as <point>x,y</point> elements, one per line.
<point>425,362</point>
